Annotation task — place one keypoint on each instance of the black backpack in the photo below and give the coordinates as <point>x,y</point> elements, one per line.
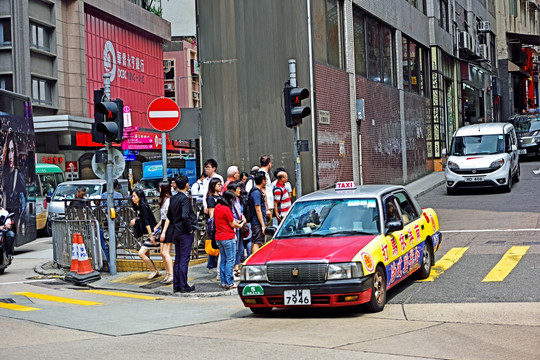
<point>249,208</point>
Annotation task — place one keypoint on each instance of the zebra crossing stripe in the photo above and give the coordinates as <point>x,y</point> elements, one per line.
<point>450,258</point>
<point>507,263</point>
<point>57,299</point>
<point>122,294</point>
<point>17,307</point>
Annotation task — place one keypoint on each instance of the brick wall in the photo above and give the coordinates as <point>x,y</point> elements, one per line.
<point>332,91</point>
<point>381,130</point>
<point>381,133</point>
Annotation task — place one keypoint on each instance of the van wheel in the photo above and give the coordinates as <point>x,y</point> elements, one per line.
<point>451,191</point>
<point>518,173</point>
<point>508,186</point>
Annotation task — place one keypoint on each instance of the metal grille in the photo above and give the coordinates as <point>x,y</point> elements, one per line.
<point>297,273</point>
<point>474,172</point>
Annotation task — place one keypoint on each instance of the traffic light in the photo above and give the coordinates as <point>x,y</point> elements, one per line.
<point>294,111</point>
<point>113,126</point>
<point>98,137</point>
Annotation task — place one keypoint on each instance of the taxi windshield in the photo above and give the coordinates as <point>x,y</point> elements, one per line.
<point>332,217</point>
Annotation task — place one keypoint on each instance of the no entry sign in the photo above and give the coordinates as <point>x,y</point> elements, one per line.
<point>163,114</point>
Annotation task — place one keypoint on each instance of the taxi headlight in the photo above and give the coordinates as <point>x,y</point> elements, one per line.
<point>253,273</point>
<point>344,271</point>
<point>497,164</point>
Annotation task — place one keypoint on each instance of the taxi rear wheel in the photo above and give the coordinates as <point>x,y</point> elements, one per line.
<point>425,268</point>
<point>261,311</point>
<point>378,291</point>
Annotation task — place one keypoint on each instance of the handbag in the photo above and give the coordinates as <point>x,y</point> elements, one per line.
<point>244,231</point>
<point>137,228</point>
<point>209,249</point>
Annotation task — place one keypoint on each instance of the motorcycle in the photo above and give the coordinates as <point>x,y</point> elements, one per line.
<point>6,232</point>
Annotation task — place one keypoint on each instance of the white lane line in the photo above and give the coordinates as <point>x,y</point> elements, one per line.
<point>488,230</point>
<point>25,282</point>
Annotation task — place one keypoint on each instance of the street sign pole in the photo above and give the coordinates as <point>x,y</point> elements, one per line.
<point>110,190</point>
<point>164,154</point>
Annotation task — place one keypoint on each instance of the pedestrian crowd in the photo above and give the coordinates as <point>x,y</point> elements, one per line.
<point>237,209</point>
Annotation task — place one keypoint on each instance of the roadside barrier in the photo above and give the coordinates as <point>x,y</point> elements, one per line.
<point>84,274</point>
<point>63,232</point>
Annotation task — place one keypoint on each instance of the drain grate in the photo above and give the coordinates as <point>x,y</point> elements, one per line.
<point>8,301</point>
<point>496,242</point>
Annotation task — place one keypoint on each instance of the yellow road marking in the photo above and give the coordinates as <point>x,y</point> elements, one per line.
<point>445,263</point>
<point>17,307</point>
<point>57,299</point>
<point>506,264</point>
<point>122,294</point>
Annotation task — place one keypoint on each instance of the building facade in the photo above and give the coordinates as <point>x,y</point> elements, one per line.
<point>57,56</point>
<point>390,81</point>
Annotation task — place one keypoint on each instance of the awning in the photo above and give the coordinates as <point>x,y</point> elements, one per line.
<point>514,68</point>
<point>62,123</point>
<point>524,39</point>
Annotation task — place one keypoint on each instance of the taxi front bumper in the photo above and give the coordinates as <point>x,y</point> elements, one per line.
<point>333,293</point>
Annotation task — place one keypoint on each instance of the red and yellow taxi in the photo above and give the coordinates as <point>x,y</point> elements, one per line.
<point>340,247</point>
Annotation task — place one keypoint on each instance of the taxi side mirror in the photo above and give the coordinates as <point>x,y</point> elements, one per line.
<point>48,199</point>
<point>392,226</point>
<point>270,231</point>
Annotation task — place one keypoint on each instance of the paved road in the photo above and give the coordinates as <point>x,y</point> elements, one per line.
<point>456,316</point>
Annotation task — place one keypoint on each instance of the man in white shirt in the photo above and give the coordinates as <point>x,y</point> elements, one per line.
<point>198,187</point>
<point>210,167</point>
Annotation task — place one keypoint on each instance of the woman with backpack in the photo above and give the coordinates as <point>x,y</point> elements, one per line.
<point>238,211</point>
<point>214,189</point>
<point>226,239</point>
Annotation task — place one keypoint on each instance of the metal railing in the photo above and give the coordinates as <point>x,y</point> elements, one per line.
<point>62,232</point>
<point>90,219</point>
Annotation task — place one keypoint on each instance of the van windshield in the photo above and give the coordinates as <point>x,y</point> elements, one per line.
<point>477,145</point>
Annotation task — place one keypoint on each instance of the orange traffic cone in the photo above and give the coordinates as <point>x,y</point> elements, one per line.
<point>75,255</point>
<point>84,273</point>
<point>84,263</point>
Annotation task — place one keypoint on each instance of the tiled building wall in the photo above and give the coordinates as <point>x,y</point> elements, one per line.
<point>381,133</point>
<point>417,115</point>
<point>332,91</point>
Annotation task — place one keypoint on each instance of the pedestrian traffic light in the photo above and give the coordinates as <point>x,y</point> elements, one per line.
<point>113,126</point>
<point>294,111</point>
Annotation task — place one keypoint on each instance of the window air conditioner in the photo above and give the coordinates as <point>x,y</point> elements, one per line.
<point>195,95</point>
<point>168,87</point>
<point>465,40</point>
<point>483,51</point>
<point>484,26</point>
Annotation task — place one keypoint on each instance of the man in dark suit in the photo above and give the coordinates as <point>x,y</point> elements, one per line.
<point>180,223</point>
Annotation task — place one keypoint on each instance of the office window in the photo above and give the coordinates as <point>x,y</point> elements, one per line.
<point>415,67</point>
<point>443,21</point>
<point>334,32</point>
<point>359,42</point>
<point>42,91</point>
<point>387,55</point>
<point>373,50</point>
<point>6,82</point>
<point>5,32</point>
<point>39,37</point>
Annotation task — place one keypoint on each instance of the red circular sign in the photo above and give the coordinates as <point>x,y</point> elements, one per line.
<point>163,114</point>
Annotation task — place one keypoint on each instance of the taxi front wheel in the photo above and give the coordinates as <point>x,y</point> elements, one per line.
<point>425,268</point>
<point>378,291</point>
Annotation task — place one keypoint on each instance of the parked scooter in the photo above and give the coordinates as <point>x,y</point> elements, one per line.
<point>7,237</point>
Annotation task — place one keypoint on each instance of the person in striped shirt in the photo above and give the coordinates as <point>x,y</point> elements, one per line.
<point>282,199</point>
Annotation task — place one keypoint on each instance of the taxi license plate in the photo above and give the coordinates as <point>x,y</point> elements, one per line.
<point>474,178</point>
<point>297,297</point>
<point>522,151</point>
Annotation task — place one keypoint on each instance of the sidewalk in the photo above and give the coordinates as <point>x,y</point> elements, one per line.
<point>204,280</point>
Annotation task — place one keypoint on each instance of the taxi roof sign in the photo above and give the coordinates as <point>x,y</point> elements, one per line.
<point>345,185</point>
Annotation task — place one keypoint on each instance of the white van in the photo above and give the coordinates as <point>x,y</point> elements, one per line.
<point>483,155</point>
